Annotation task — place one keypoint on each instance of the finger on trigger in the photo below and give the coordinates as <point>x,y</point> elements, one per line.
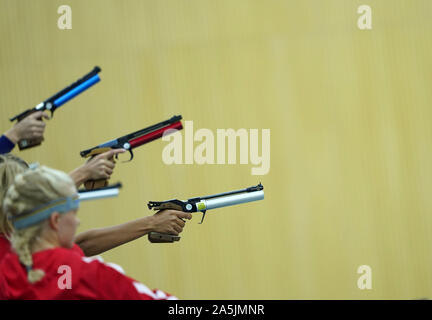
<point>45,115</point>
<point>111,153</point>
<point>184,215</point>
<point>39,115</point>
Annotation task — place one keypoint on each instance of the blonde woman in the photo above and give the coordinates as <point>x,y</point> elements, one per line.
<point>95,241</point>
<point>100,167</point>
<point>42,205</point>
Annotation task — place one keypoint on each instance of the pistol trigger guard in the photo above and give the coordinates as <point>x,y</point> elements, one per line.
<point>202,219</point>
<point>131,156</point>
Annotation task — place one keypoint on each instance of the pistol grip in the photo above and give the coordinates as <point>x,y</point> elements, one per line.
<point>167,206</point>
<point>95,184</point>
<point>28,143</point>
<point>156,237</point>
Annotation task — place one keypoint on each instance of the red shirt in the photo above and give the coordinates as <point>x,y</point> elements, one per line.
<point>5,247</point>
<point>69,275</point>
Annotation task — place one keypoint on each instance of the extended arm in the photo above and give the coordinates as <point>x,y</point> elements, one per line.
<point>97,241</point>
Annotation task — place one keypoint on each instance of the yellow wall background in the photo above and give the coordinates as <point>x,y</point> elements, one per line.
<point>349,112</point>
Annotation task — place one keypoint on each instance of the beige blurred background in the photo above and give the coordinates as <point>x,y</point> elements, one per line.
<point>349,111</point>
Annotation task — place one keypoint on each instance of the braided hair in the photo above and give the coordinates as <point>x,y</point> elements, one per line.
<point>31,189</point>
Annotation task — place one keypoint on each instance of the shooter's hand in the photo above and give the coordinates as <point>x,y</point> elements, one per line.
<point>169,221</point>
<point>31,127</point>
<point>102,165</point>
<point>97,168</point>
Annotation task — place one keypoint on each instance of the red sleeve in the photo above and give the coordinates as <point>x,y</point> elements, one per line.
<point>113,285</point>
<point>76,248</point>
<point>5,247</point>
<point>3,292</point>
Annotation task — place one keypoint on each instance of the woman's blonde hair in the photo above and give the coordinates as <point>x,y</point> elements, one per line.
<point>10,166</point>
<point>32,189</point>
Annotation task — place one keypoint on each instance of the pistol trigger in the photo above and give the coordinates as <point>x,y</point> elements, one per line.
<point>131,155</point>
<point>202,219</point>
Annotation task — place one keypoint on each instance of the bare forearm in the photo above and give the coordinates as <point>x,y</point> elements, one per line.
<point>97,241</point>
<point>79,176</point>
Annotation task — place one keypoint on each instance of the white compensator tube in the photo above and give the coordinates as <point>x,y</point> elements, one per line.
<point>230,200</point>
<point>98,194</point>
